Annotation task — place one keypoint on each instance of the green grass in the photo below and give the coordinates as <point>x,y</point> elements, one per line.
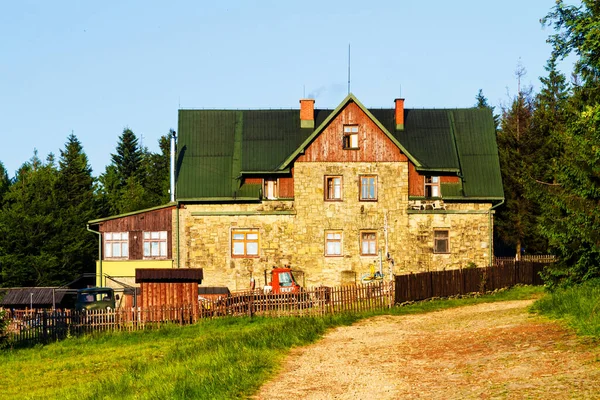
<point>214,359</point>
<point>578,306</point>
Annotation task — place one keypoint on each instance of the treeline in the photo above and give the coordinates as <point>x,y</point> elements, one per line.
<point>45,207</point>
<point>549,148</point>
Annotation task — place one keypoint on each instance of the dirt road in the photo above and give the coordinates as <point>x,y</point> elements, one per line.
<point>487,351</point>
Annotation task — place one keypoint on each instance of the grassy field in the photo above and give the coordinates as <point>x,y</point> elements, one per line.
<point>214,359</point>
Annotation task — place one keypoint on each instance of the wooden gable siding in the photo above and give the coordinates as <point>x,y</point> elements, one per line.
<point>449,179</point>
<point>136,225</point>
<point>373,144</point>
<point>286,187</point>
<point>416,181</point>
<point>253,181</point>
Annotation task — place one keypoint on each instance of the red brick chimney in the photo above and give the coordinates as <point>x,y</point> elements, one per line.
<point>307,113</point>
<point>399,114</point>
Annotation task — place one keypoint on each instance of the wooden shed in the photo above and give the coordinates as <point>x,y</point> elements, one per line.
<point>169,286</point>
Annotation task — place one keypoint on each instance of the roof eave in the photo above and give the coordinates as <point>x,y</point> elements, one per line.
<point>100,220</point>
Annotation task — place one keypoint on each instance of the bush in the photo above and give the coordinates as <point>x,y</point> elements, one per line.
<point>3,329</point>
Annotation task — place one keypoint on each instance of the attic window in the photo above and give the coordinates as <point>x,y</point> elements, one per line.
<point>350,140</point>
<point>270,189</point>
<point>432,186</point>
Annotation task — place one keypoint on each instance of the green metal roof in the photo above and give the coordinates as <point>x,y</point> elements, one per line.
<point>216,147</point>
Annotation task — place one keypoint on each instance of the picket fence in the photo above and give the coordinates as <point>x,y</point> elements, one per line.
<point>28,327</point>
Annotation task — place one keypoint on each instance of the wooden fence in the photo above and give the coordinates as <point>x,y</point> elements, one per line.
<point>29,327</point>
<point>42,326</point>
<point>426,285</point>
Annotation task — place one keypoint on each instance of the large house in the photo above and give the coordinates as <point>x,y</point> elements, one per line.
<point>333,193</point>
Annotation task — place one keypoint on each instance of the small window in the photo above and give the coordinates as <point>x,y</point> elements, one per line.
<point>350,137</point>
<point>368,187</point>
<point>333,243</point>
<point>441,241</point>
<point>432,186</point>
<point>333,188</point>
<point>116,245</point>
<point>155,244</point>
<point>270,189</point>
<point>244,243</point>
<point>368,243</point>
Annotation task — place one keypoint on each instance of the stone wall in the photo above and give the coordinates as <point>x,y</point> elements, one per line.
<point>293,232</point>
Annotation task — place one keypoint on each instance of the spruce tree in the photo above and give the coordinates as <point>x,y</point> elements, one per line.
<point>573,221</point>
<point>516,221</point>
<point>76,247</point>
<point>28,227</point>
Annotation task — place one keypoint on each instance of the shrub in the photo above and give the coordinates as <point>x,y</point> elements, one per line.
<point>3,329</point>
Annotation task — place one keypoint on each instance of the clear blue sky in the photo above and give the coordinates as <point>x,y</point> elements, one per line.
<point>96,67</point>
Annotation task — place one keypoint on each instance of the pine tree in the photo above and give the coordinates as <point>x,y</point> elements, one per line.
<point>573,218</point>
<point>76,247</point>
<point>28,226</point>
<point>482,102</point>
<point>516,221</point>
<point>156,167</point>
<point>4,182</point>
<point>123,180</point>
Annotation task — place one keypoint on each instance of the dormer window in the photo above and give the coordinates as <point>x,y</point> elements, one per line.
<point>350,140</point>
<point>432,186</point>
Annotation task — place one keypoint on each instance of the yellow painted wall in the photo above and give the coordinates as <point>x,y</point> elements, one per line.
<point>124,270</point>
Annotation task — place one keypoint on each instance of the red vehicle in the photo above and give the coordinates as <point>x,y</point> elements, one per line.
<point>282,281</point>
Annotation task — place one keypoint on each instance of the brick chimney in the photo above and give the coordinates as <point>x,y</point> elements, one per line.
<point>307,113</point>
<point>399,114</point>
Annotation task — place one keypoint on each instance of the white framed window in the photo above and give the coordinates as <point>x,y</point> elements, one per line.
<point>270,189</point>
<point>350,137</point>
<point>244,242</point>
<point>432,186</point>
<point>116,245</point>
<point>368,187</point>
<point>333,188</point>
<point>333,243</point>
<point>155,244</point>
<point>368,243</point>
<point>441,241</point>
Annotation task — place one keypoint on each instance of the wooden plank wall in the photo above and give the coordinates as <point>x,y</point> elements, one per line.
<point>416,181</point>
<point>374,145</point>
<point>158,294</point>
<point>150,221</point>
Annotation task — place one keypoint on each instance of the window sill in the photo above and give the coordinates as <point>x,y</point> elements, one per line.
<point>334,255</point>
<point>334,200</point>
<point>350,148</point>
<point>368,200</point>
<point>244,256</point>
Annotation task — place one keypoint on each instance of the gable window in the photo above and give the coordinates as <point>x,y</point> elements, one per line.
<point>155,244</point>
<point>368,187</point>
<point>116,245</point>
<point>333,243</point>
<point>270,189</point>
<point>368,243</point>
<point>350,137</point>
<point>333,188</point>
<point>432,186</point>
<point>441,241</point>
<point>244,243</point>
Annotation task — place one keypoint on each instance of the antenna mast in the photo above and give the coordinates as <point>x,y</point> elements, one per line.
<point>348,68</point>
